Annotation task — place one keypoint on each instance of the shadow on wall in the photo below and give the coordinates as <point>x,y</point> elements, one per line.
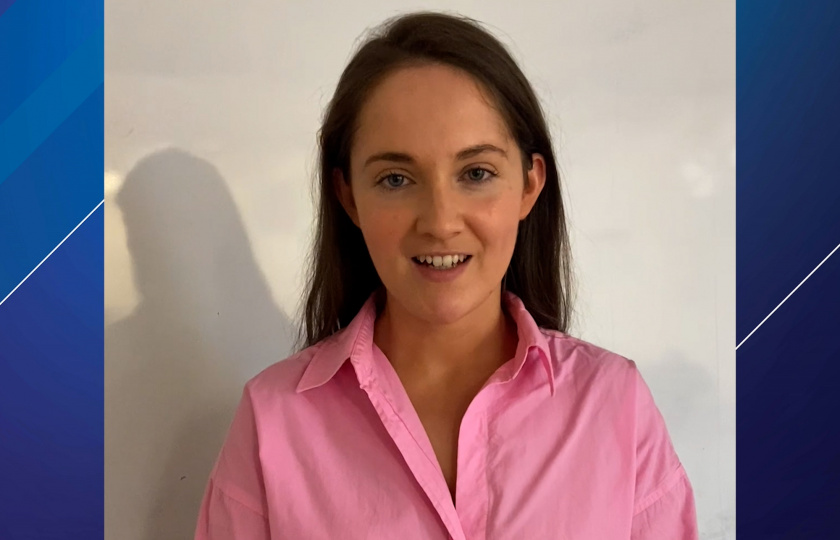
<point>176,366</point>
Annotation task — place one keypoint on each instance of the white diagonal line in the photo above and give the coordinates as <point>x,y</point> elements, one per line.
<point>51,252</point>
<point>786,297</point>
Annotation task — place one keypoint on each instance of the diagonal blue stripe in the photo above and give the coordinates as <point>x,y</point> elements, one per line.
<point>50,193</point>
<point>36,36</point>
<point>51,104</point>
<point>4,5</point>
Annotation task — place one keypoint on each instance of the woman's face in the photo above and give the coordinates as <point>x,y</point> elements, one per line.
<point>435,177</point>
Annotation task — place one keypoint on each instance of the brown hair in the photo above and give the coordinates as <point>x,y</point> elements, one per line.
<point>341,275</point>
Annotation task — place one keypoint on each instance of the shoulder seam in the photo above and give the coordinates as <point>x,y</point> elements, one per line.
<point>225,493</point>
<point>663,488</point>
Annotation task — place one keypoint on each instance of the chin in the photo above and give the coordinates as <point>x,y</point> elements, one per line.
<point>445,309</point>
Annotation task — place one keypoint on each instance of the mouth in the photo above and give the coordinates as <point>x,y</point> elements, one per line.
<point>441,262</point>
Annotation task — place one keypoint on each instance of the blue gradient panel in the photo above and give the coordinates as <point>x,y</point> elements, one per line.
<point>788,221</point>
<point>4,5</point>
<point>46,108</point>
<point>51,325</point>
<point>36,37</point>
<point>50,193</point>
<point>51,399</point>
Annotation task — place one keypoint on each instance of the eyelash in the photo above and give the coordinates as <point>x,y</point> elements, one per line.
<point>489,176</point>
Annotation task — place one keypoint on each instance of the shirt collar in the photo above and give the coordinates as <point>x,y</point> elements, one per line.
<point>531,340</point>
<point>355,343</point>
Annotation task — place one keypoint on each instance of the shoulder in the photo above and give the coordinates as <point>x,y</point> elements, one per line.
<point>581,360</point>
<point>614,383</point>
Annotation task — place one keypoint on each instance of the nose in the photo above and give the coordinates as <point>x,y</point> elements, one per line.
<point>439,214</point>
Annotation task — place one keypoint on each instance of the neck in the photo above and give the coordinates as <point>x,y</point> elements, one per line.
<point>469,349</point>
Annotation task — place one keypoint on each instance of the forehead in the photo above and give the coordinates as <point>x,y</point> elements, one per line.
<point>428,111</point>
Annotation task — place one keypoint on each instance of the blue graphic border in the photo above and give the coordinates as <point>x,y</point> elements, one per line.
<point>788,222</point>
<point>51,269</point>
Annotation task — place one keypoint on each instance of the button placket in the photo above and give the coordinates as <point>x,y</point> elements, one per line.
<point>426,471</point>
<point>472,491</point>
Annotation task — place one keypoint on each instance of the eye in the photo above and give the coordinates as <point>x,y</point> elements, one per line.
<point>393,181</point>
<point>483,175</point>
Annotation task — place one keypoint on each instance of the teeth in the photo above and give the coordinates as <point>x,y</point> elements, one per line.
<point>442,262</point>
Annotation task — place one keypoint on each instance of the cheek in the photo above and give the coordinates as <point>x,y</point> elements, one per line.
<point>383,230</point>
<point>496,225</point>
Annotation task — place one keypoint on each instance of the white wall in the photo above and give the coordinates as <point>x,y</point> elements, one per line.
<point>205,242</point>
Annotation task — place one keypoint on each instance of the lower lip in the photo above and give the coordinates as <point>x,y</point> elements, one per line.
<point>441,276</point>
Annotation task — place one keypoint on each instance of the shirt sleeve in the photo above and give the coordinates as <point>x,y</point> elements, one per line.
<point>664,503</point>
<point>234,505</point>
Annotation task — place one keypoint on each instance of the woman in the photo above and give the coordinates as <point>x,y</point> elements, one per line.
<point>438,395</point>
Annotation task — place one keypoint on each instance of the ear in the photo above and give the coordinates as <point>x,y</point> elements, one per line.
<point>344,192</point>
<point>533,185</point>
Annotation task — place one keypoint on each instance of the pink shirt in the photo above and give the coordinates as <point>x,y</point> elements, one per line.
<point>564,441</point>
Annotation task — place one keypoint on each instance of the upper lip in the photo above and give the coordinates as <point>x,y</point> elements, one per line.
<point>441,254</point>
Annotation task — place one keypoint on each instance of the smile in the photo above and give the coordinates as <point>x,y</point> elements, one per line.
<point>441,262</point>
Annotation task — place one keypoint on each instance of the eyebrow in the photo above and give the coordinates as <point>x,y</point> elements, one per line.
<point>466,153</point>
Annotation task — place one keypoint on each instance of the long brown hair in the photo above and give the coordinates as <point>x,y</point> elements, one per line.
<point>341,275</point>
